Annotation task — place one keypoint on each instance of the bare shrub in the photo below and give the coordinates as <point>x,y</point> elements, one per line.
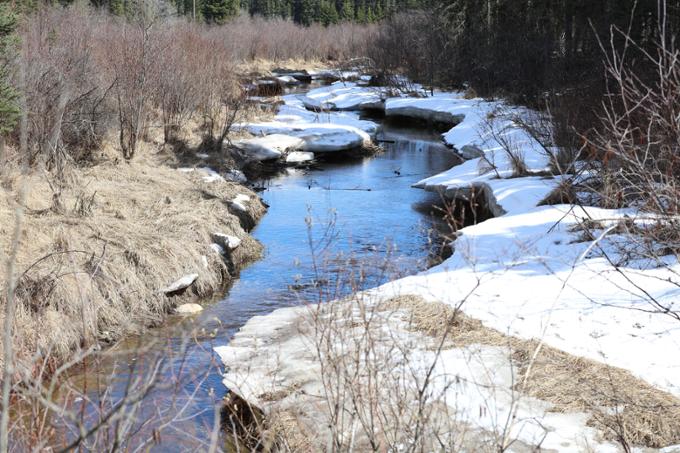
<point>64,87</point>
<point>500,127</point>
<point>636,149</point>
<point>133,64</point>
<point>286,40</point>
<point>408,44</point>
<point>176,93</point>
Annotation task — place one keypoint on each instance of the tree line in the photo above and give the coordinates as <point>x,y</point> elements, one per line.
<point>521,48</point>
<point>305,12</point>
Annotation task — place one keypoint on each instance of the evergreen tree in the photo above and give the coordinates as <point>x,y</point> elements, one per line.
<point>347,11</point>
<point>9,111</point>
<point>304,11</point>
<point>219,11</point>
<point>326,13</point>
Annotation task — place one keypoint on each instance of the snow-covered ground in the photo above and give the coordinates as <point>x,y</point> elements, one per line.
<point>525,273</point>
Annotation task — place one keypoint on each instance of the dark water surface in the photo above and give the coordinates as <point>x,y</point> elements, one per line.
<point>343,224</point>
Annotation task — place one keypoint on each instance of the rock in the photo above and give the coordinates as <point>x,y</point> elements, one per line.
<point>179,286</point>
<point>297,157</point>
<point>226,241</point>
<point>269,147</point>
<point>188,309</point>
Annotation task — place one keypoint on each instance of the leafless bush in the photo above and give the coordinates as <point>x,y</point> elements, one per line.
<point>134,54</point>
<point>500,128</point>
<point>408,44</point>
<point>285,40</point>
<point>636,151</point>
<point>64,87</point>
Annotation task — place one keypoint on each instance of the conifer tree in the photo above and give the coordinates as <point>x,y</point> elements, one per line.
<point>219,11</point>
<point>9,111</point>
<point>347,11</point>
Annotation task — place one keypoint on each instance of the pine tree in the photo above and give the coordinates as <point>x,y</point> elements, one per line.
<point>219,11</point>
<point>9,111</point>
<point>347,11</point>
<point>361,14</point>
<point>304,12</point>
<point>326,13</point>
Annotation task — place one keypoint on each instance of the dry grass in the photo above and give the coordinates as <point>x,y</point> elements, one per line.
<point>620,405</point>
<point>93,259</point>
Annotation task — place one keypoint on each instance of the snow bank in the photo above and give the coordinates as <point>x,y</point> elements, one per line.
<point>319,132</point>
<point>535,284</point>
<point>344,96</point>
<point>268,148</point>
<point>441,108</point>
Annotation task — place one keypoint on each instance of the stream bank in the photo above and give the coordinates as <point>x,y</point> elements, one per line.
<point>551,326</point>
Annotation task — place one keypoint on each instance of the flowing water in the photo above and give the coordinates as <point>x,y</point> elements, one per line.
<point>343,224</point>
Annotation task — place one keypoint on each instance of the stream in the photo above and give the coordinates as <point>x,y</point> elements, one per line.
<point>341,225</point>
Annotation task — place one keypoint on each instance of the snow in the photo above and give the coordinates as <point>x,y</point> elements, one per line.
<point>217,248</point>
<point>269,147</point>
<point>344,96</point>
<point>288,80</point>
<point>297,157</point>
<point>188,309</point>
<point>447,109</point>
<point>239,202</point>
<point>226,241</point>
<point>535,284</point>
<point>477,381</point>
<point>236,176</point>
<point>207,173</point>
<point>320,132</point>
<point>180,284</point>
